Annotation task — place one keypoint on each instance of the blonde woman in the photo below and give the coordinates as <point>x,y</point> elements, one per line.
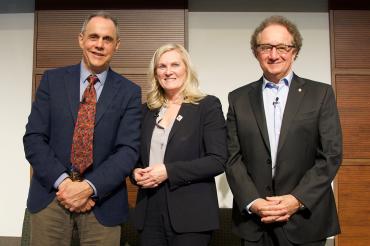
<point>183,146</point>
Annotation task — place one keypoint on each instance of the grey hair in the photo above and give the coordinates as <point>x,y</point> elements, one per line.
<point>104,15</point>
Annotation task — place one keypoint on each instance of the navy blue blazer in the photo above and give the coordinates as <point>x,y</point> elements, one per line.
<point>49,133</point>
<point>196,152</point>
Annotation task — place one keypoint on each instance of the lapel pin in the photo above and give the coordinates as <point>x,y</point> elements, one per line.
<point>299,90</point>
<point>179,118</point>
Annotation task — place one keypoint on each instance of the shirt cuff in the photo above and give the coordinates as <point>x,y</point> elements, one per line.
<point>61,178</point>
<point>249,206</point>
<point>93,187</point>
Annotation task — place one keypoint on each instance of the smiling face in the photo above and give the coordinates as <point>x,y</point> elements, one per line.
<point>98,42</point>
<point>171,72</point>
<point>275,66</point>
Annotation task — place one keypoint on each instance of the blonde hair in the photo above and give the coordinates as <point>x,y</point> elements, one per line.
<point>190,89</point>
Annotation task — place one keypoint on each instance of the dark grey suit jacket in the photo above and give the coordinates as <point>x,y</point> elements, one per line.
<point>308,157</point>
<point>196,152</point>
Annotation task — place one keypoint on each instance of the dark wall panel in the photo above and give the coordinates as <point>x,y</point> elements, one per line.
<point>354,107</point>
<point>351,33</point>
<point>142,31</point>
<point>110,4</point>
<point>354,209</point>
<point>350,53</point>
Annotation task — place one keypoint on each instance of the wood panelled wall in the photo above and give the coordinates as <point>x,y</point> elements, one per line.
<point>142,32</point>
<point>350,51</point>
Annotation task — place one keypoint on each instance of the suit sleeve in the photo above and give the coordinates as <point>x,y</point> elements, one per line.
<point>215,152</point>
<point>317,180</point>
<point>46,166</point>
<point>144,112</point>
<point>112,172</point>
<point>241,184</point>
<point>139,163</point>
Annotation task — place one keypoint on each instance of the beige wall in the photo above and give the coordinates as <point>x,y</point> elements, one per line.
<point>16,49</point>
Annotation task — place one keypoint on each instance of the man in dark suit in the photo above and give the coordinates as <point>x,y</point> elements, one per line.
<point>285,146</point>
<point>82,140</point>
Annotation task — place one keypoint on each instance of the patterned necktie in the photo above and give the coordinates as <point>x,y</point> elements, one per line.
<point>82,145</point>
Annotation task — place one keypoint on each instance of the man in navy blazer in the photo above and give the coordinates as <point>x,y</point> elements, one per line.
<point>97,204</point>
<point>285,146</point>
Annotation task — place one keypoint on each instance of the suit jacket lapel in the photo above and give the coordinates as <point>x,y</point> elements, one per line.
<point>110,88</point>
<point>72,85</point>
<point>295,95</point>
<point>256,100</point>
<point>182,116</point>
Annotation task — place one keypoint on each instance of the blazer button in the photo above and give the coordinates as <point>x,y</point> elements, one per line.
<point>269,162</point>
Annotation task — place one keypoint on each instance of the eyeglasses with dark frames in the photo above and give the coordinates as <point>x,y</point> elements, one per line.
<point>280,48</point>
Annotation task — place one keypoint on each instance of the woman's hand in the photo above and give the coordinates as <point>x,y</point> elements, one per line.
<point>139,173</point>
<point>151,176</point>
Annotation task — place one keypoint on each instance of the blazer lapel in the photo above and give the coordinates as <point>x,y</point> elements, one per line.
<point>256,101</point>
<point>72,85</point>
<point>182,115</point>
<point>111,87</point>
<point>295,95</point>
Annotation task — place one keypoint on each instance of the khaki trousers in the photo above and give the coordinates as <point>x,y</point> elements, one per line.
<point>54,225</point>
